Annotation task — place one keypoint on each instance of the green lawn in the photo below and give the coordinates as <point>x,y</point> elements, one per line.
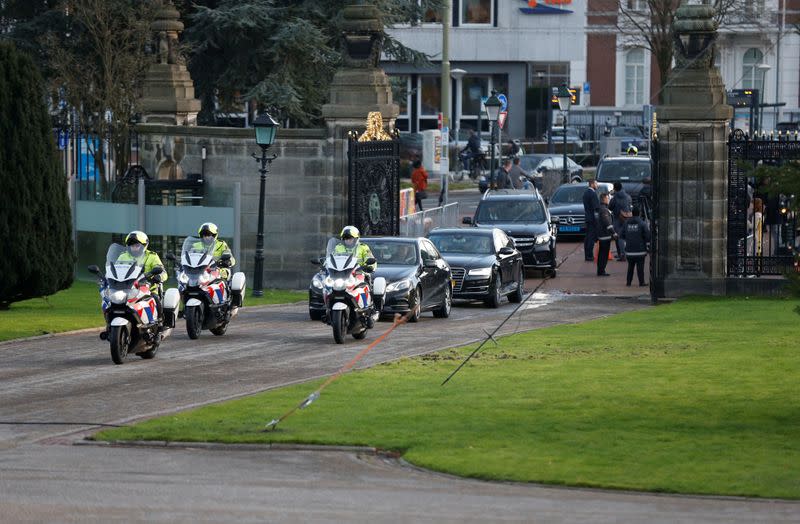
<point>79,307</point>
<point>700,396</point>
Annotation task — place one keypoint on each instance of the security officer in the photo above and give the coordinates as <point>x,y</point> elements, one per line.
<point>137,243</point>
<point>350,236</point>
<point>632,150</point>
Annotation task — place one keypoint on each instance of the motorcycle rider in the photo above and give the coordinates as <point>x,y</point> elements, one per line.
<point>208,233</point>
<point>349,237</point>
<point>137,251</point>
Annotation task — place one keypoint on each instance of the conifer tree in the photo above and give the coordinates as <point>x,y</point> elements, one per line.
<point>35,218</point>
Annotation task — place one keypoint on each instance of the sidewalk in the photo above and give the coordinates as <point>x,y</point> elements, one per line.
<point>576,276</point>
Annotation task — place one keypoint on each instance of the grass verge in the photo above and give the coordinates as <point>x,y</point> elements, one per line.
<point>699,396</point>
<point>79,307</point>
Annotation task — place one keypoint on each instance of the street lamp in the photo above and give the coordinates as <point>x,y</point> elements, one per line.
<point>564,103</point>
<point>493,106</point>
<point>266,130</point>
<point>457,74</point>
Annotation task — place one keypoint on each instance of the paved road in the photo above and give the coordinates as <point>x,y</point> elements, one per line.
<point>70,379</point>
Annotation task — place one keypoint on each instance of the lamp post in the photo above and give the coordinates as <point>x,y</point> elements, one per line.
<point>266,129</point>
<point>762,69</point>
<point>564,103</point>
<point>493,105</point>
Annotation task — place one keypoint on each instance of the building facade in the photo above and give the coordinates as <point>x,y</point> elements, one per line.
<point>517,46</point>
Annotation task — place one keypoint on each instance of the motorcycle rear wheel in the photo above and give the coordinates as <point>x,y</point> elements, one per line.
<point>194,321</point>
<point>339,324</point>
<point>119,340</point>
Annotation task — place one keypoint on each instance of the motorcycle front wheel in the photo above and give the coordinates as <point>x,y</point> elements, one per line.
<point>194,321</point>
<point>339,324</point>
<point>119,340</point>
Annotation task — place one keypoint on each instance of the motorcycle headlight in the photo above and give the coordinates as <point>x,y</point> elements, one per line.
<point>183,278</point>
<point>328,282</point>
<point>317,282</point>
<point>338,284</point>
<point>542,239</point>
<point>204,278</point>
<point>118,297</point>
<point>350,282</point>
<point>480,272</point>
<point>133,292</point>
<point>399,285</point>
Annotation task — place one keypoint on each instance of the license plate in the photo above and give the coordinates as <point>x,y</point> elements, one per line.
<point>569,229</point>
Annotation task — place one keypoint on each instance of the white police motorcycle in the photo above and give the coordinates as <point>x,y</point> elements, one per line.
<point>133,317</point>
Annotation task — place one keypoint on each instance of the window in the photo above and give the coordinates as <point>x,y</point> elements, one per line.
<point>476,12</point>
<point>548,74</point>
<point>752,75</point>
<point>638,5</point>
<point>430,95</point>
<point>634,77</point>
<point>472,89</point>
<point>431,15</point>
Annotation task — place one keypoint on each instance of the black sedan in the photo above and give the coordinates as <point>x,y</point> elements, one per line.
<point>484,262</point>
<point>417,278</point>
<point>566,206</point>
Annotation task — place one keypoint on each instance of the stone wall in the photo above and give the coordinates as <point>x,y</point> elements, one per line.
<point>304,196</point>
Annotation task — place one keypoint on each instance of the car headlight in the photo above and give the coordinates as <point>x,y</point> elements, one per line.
<point>317,282</point>
<point>480,272</point>
<point>542,239</point>
<point>399,285</point>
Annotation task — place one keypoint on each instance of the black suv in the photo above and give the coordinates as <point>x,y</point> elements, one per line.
<point>522,215</point>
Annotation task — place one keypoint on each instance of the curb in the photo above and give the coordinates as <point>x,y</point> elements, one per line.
<point>215,446</point>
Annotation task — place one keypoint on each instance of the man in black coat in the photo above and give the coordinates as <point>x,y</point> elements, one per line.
<point>605,233</point>
<point>637,237</point>
<point>591,205</point>
<point>619,206</point>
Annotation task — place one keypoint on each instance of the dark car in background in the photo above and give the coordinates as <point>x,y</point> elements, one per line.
<point>484,263</point>
<point>523,216</point>
<point>630,136</point>
<point>417,278</point>
<point>566,207</point>
<point>634,172</point>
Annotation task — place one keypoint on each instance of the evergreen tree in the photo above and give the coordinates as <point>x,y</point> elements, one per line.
<point>35,216</point>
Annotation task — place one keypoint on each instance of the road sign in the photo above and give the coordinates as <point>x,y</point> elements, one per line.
<point>62,140</point>
<point>504,101</point>
<point>501,118</point>
<point>586,88</point>
<point>483,103</point>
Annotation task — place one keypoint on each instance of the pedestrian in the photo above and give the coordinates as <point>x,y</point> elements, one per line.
<point>591,205</point>
<point>605,233</point>
<point>517,174</point>
<point>620,208</point>
<point>637,238</point>
<point>515,148</point>
<point>501,178</point>
<point>419,179</point>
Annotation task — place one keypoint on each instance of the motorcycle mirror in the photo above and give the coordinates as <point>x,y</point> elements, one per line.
<point>94,269</point>
<point>156,271</point>
<point>170,257</point>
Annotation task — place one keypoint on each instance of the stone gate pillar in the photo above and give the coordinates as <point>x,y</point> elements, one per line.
<point>359,87</point>
<point>692,185</point>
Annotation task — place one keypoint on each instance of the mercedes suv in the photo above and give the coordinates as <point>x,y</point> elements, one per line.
<point>522,215</point>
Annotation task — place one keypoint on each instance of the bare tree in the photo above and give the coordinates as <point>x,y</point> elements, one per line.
<point>99,64</point>
<point>647,24</point>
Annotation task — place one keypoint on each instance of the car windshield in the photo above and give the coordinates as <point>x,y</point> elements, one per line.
<point>623,171</point>
<point>627,131</point>
<point>397,253</point>
<point>462,243</point>
<point>568,195</point>
<point>492,211</point>
<point>530,162</point>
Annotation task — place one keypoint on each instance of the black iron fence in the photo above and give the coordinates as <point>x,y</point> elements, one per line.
<point>374,186</point>
<point>762,229</point>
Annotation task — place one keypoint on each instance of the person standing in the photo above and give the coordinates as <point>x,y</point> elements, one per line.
<point>591,205</point>
<point>517,174</point>
<point>605,233</point>
<point>620,208</point>
<point>419,179</point>
<point>501,178</point>
<point>637,236</point>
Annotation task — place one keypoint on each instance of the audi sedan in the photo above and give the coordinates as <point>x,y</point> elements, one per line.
<point>484,263</point>
<point>417,278</point>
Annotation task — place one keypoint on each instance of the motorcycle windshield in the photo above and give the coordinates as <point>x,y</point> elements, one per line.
<point>196,253</point>
<point>339,256</point>
<point>123,265</point>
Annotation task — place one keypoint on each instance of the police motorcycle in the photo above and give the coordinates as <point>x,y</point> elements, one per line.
<point>210,300</point>
<point>134,323</point>
<point>349,304</point>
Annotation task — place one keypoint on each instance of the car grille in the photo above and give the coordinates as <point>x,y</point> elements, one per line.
<point>524,242</point>
<point>571,220</point>
<point>458,277</point>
